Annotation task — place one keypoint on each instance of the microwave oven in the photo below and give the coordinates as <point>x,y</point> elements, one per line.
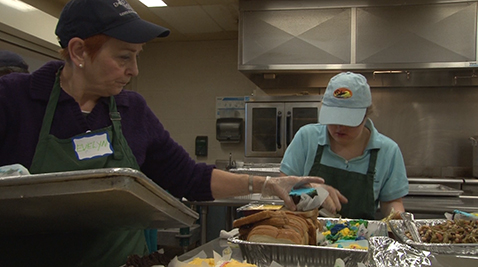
<point>272,121</point>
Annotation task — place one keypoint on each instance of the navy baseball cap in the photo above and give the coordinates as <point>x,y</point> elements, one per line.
<point>10,59</point>
<point>115,18</point>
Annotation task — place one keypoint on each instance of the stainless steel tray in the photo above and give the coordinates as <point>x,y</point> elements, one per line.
<point>398,228</point>
<point>91,199</point>
<point>262,254</point>
<point>432,190</point>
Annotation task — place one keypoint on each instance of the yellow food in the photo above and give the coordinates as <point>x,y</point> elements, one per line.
<point>234,263</point>
<point>266,207</point>
<point>199,261</point>
<point>212,263</point>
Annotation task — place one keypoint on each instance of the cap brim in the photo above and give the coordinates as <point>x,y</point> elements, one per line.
<point>137,31</point>
<point>341,116</point>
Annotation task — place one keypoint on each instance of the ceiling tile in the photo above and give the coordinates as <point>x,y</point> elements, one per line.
<point>188,19</point>
<point>225,16</point>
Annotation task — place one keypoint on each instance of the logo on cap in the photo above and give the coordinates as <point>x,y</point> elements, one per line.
<point>124,4</point>
<point>342,93</point>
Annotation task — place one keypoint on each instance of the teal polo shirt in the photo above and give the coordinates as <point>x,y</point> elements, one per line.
<point>390,181</point>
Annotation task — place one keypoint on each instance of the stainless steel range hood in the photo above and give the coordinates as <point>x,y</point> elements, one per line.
<point>415,78</point>
<point>396,43</point>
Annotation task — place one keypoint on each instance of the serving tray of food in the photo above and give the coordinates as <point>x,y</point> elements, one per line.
<point>432,190</point>
<point>455,237</point>
<point>88,200</point>
<point>279,236</point>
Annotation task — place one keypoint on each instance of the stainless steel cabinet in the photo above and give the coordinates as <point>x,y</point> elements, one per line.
<point>338,35</point>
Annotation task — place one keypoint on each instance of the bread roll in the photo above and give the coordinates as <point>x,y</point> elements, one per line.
<point>305,224</point>
<point>253,218</point>
<point>300,226</point>
<point>271,234</point>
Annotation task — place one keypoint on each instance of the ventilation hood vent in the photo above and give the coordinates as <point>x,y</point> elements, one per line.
<point>304,43</point>
<point>396,78</point>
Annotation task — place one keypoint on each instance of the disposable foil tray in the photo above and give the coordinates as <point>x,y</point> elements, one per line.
<point>399,229</point>
<point>87,200</point>
<point>262,254</point>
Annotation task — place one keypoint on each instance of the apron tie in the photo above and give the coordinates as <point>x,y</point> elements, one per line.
<point>115,118</point>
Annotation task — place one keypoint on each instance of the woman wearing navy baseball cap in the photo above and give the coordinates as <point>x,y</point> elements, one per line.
<point>44,113</point>
<point>12,62</point>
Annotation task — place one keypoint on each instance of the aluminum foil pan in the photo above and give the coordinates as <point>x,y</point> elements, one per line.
<point>262,254</point>
<point>399,228</point>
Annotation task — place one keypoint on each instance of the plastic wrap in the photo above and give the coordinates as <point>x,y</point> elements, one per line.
<point>13,170</point>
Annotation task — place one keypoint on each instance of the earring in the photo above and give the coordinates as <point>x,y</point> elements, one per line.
<point>80,65</point>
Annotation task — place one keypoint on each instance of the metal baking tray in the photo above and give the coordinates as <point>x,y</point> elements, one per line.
<point>90,199</point>
<point>432,190</point>
<point>262,254</point>
<point>399,229</point>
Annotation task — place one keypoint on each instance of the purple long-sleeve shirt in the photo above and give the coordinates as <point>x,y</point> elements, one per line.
<point>23,100</point>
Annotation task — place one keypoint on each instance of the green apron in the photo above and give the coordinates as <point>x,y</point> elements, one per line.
<point>102,248</point>
<point>57,155</point>
<point>356,187</point>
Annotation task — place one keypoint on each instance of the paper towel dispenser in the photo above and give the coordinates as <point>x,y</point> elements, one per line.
<point>229,130</point>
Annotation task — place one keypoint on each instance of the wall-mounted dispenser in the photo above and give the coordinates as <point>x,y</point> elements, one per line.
<point>201,146</point>
<point>229,130</point>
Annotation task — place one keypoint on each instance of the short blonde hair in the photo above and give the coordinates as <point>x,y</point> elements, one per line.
<point>369,111</point>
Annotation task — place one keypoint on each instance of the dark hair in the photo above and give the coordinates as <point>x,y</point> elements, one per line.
<point>92,46</point>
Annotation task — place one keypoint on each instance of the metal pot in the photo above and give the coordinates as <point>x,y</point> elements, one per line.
<point>474,143</point>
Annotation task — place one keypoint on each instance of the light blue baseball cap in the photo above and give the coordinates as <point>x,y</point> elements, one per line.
<point>346,100</point>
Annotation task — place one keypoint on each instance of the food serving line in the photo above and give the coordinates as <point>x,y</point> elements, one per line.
<point>218,245</point>
<point>428,198</point>
<point>383,250</point>
<point>415,204</point>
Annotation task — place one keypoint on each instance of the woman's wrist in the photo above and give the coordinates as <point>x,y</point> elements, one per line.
<point>256,184</point>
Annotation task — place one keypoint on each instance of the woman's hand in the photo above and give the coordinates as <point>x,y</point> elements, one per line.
<point>333,203</point>
<point>282,185</point>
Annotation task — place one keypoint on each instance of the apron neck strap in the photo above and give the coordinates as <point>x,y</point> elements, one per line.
<point>51,107</point>
<point>115,118</point>
<point>372,162</point>
<point>50,112</point>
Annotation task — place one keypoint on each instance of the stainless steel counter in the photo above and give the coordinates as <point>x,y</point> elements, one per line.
<point>467,184</point>
<point>439,205</point>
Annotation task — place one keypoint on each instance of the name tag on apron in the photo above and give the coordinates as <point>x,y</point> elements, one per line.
<point>92,146</point>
